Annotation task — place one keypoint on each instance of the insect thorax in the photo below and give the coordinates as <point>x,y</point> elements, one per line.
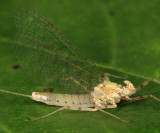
<point>106,93</point>
<point>110,93</point>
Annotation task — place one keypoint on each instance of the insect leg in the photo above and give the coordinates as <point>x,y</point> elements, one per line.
<point>144,84</point>
<point>140,98</point>
<point>106,75</point>
<point>47,114</point>
<point>77,82</point>
<point>95,109</point>
<point>113,115</point>
<point>112,106</point>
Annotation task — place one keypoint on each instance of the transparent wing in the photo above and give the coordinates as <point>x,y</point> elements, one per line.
<point>50,59</point>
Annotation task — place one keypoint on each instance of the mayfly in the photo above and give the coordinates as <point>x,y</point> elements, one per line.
<point>44,53</point>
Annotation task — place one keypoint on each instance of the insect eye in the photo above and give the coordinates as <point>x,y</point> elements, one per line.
<point>129,85</point>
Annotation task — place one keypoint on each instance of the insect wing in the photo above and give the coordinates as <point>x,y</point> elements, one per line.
<point>49,58</point>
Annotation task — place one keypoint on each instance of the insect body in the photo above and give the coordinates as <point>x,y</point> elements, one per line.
<point>71,101</point>
<point>105,95</point>
<point>44,54</point>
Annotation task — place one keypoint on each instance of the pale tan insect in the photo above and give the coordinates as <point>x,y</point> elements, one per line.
<point>105,95</point>
<point>40,50</point>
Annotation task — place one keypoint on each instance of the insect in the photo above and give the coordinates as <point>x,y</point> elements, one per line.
<point>50,59</point>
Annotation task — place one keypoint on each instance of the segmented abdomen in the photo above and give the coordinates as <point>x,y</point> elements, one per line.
<point>63,99</point>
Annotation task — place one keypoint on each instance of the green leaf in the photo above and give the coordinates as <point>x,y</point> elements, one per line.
<point>121,37</point>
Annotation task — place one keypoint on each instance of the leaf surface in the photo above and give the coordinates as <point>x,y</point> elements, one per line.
<point>120,37</point>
